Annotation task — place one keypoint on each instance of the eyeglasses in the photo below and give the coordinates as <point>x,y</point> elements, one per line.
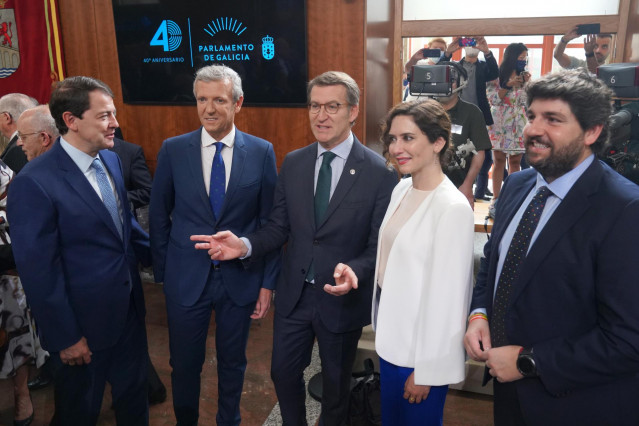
<point>330,108</point>
<point>22,136</point>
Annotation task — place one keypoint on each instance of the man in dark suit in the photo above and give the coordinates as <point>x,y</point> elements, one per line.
<point>554,311</point>
<point>137,178</point>
<point>216,177</point>
<point>337,224</point>
<point>11,108</point>
<point>76,248</point>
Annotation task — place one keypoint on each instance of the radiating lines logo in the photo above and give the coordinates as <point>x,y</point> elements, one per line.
<point>168,35</point>
<point>225,24</point>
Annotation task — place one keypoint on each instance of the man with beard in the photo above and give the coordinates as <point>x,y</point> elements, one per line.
<point>554,308</point>
<point>597,48</point>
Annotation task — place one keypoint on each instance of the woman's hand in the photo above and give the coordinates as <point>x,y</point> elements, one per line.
<point>415,393</point>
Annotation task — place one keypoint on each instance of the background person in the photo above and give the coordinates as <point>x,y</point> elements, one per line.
<point>508,99</point>
<point>424,270</point>
<point>597,49</point>
<point>12,106</point>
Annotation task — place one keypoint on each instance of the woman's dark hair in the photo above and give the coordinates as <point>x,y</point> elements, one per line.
<point>509,62</point>
<point>431,118</point>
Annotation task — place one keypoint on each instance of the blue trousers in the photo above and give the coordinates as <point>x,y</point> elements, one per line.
<point>397,411</point>
<point>188,328</point>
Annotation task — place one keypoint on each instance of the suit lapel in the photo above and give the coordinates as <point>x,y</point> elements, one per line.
<point>194,158</point>
<point>354,165</point>
<point>10,145</point>
<point>237,168</point>
<point>573,206</point>
<point>81,186</point>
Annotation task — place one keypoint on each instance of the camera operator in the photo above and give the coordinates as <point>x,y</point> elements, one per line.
<point>422,56</point>
<point>596,48</point>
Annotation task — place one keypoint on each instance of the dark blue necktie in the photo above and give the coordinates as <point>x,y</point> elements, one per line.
<point>322,197</point>
<point>108,197</point>
<point>217,186</point>
<point>512,265</point>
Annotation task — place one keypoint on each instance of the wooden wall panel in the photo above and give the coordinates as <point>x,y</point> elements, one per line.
<point>335,42</point>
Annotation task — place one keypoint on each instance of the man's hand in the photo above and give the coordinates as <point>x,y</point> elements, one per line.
<point>417,56</point>
<point>415,393</point>
<point>467,190</point>
<point>502,363</point>
<point>482,44</point>
<point>590,41</point>
<point>77,354</point>
<point>345,279</point>
<point>453,46</point>
<point>477,336</point>
<point>224,245</point>
<point>571,34</point>
<point>262,304</point>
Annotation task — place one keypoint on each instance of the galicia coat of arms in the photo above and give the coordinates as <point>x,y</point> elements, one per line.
<point>9,47</point>
<point>268,48</point>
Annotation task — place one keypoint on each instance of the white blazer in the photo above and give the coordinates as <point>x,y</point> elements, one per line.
<point>420,317</point>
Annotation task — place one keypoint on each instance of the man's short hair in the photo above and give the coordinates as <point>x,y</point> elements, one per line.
<point>16,103</point>
<point>437,40</point>
<point>72,95</point>
<point>588,97</point>
<point>42,120</point>
<point>220,73</point>
<point>604,35</point>
<point>333,78</point>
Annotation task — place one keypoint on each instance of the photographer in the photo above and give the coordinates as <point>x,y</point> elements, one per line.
<point>596,48</point>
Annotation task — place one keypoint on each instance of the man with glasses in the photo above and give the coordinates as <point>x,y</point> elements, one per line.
<point>330,200</point>
<point>36,131</point>
<point>11,108</point>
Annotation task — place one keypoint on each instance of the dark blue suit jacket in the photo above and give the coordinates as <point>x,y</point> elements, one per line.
<point>76,271</point>
<point>180,208</point>
<point>575,302</point>
<point>347,234</point>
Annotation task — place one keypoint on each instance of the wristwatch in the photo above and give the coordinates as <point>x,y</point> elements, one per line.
<point>526,363</point>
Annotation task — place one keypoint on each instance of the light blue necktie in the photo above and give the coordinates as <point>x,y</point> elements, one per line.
<point>108,198</point>
<point>217,186</point>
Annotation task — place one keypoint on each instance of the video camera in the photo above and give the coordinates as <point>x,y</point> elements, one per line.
<point>437,80</point>
<point>622,151</point>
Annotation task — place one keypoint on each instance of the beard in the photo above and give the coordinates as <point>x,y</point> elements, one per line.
<point>560,161</point>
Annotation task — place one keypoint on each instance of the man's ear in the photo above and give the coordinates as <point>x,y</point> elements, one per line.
<point>70,120</point>
<point>591,135</point>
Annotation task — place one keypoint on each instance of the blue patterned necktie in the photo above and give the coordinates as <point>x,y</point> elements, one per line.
<point>322,197</point>
<point>108,197</point>
<point>512,265</point>
<point>217,187</point>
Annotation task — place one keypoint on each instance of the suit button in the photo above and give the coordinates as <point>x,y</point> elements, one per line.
<point>303,271</point>
<point>315,243</point>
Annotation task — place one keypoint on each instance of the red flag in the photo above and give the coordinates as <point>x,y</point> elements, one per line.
<point>30,47</point>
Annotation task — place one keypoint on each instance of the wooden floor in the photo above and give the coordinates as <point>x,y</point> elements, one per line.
<point>258,396</point>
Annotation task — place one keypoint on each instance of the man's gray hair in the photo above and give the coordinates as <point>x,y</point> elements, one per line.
<point>220,73</point>
<point>16,103</point>
<point>332,78</point>
<point>42,120</point>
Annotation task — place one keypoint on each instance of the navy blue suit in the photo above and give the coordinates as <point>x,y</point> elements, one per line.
<point>575,301</point>
<point>180,208</point>
<point>347,234</point>
<point>81,280</point>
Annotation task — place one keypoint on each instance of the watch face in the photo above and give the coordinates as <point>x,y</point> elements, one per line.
<point>526,365</point>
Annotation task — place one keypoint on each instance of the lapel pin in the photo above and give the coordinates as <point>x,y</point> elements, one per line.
<point>352,171</point>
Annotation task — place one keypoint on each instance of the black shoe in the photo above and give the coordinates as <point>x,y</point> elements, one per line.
<point>41,381</point>
<point>158,396</point>
<point>25,422</point>
<point>485,198</point>
<point>488,192</point>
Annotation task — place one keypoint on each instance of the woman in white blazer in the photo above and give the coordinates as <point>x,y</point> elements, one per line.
<point>424,270</point>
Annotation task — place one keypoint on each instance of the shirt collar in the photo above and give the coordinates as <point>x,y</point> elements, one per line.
<point>564,183</point>
<point>341,150</point>
<point>80,158</point>
<point>228,140</point>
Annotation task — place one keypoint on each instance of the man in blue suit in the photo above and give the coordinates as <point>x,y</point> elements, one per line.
<point>216,177</point>
<point>318,244</point>
<point>554,311</point>
<point>76,249</point>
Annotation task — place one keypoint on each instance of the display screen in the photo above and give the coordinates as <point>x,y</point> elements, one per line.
<point>162,43</point>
